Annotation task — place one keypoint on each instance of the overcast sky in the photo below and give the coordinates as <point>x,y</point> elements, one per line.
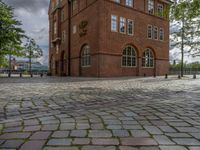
<point>34,17</point>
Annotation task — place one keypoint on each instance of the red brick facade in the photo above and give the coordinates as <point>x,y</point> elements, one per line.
<point>86,24</point>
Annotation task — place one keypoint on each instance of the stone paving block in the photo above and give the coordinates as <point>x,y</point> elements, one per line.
<point>60,134</point>
<point>98,148</point>
<point>163,140</point>
<point>105,141</point>
<point>132,127</point>
<point>40,135</point>
<point>138,141</point>
<point>49,127</point>
<point>196,135</point>
<point>153,130</point>
<point>194,148</point>
<point>139,133</point>
<point>78,133</point>
<point>186,141</point>
<point>33,145</point>
<point>178,135</point>
<point>61,148</point>
<point>67,126</point>
<point>167,129</point>
<point>13,129</point>
<point>114,127</point>
<point>81,141</point>
<point>99,133</point>
<point>120,133</point>
<point>17,135</point>
<point>149,148</point>
<point>187,129</point>
<point>98,126</point>
<point>127,148</point>
<point>173,148</point>
<point>83,126</point>
<point>13,144</point>
<point>31,128</point>
<point>60,142</point>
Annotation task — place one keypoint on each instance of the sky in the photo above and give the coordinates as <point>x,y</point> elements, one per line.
<point>34,17</point>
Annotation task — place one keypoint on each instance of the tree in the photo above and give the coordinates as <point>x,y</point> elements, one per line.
<point>186,14</point>
<point>10,31</point>
<point>32,50</point>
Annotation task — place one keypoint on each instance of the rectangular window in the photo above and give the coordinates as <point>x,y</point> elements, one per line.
<point>161,34</point>
<point>74,29</point>
<point>151,7</point>
<point>130,27</point>
<point>74,5</point>
<point>55,27</point>
<point>149,32</point>
<point>155,33</point>
<point>160,10</point>
<point>114,23</point>
<point>63,36</point>
<point>122,25</point>
<point>117,1</point>
<point>129,3</point>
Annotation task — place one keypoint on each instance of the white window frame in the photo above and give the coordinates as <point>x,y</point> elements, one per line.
<point>147,52</point>
<point>122,24</point>
<point>160,9</point>
<point>128,22</point>
<point>155,33</point>
<point>132,56</point>
<point>151,7</point>
<point>129,3</point>
<point>85,57</point>
<point>161,34</point>
<point>114,23</point>
<point>116,1</point>
<point>149,30</point>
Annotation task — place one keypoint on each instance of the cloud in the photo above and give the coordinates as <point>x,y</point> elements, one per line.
<point>32,6</point>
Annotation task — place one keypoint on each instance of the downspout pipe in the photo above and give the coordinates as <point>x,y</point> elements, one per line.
<point>69,37</point>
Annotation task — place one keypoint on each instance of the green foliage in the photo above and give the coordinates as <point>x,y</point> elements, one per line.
<point>10,31</point>
<point>3,62</point>
<point>187,15</point>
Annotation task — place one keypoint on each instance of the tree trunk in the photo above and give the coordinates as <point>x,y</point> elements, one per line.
<point>182,45</point>
<point>30,63</point>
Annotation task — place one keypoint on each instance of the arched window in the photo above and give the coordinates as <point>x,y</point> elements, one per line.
<point>129,57</point>
<point>85,56</point>
<point>148,58</point>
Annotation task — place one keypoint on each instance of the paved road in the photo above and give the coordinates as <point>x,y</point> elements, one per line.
<point>100,114</point>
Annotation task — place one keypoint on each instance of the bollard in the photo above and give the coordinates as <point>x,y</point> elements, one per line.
<point>154,75</point>
<point>194,76</point>
<point>41,75</point>
<point>9,75</point>
<point>166,76</point>
<point>31,75</point>
<point>179,76</point>
<point>20,75</point>
<point>145,75</point>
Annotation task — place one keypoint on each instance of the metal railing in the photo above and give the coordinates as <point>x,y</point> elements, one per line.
<point>186,71</point>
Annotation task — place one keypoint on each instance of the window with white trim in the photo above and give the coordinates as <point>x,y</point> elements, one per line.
<point>114,23</point>
<point>160,10</point>
<point>151,7</point>
<point>85,56</point>
<point>148,58</point>
<point>149,32</point>
<point>129,58</point>
<point>122,25</point>
<point>161,33</point>
<point>155,34</point>
<point>130,27</point>
<point>117,1</point>
<point>74,5</point>
<point>129,3</point>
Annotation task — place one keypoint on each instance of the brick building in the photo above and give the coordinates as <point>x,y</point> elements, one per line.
<point>107,38</point>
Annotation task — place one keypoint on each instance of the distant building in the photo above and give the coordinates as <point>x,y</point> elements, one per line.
<point>18,65</point>
<point>106,38</point>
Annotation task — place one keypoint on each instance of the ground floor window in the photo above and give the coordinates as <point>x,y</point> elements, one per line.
<point>85,56</point>
<point>148,58</point>
<point>129,57</point>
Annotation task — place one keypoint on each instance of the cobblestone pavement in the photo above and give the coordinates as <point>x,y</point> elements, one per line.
<point>100,114</point>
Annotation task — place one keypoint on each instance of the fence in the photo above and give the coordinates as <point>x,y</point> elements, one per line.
<point>186,71</point>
